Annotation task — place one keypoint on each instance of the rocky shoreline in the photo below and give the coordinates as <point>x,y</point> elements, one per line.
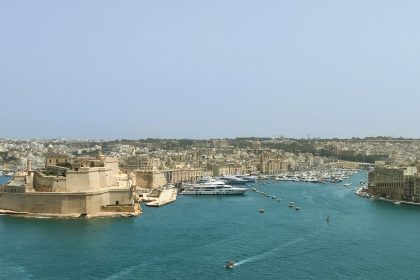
<point>115,214</point>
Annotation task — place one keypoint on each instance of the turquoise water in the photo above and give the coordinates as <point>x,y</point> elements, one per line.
<point>193,237</point>
<point>4,179</point>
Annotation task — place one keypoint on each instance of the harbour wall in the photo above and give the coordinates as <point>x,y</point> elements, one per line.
<point>63,203</point>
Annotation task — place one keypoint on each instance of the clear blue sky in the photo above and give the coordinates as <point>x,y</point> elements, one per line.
<point>208,69</point>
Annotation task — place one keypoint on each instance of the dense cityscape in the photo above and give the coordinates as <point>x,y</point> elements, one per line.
<point>143,169</point>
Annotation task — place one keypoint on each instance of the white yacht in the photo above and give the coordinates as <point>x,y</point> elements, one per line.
<point>212,188</point>
<point>250,179</point>
<point>233,180</point>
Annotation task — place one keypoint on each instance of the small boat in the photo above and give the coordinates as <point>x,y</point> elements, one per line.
<point>290,204</point>
<point>328,219</point>
<point>297,208</point>
<point>273,197</point>
<point>229,265</point>
<point>261,210</point>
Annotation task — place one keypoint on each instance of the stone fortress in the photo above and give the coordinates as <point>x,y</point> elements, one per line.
<point>71,187</point>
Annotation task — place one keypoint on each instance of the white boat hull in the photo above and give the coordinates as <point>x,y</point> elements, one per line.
<point>213,192</point>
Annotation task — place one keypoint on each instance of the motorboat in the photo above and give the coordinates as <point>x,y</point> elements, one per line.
<point>229,264</point>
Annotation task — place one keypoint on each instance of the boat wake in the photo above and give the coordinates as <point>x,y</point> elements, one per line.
<point>121,274</point>
<point>270,252</point>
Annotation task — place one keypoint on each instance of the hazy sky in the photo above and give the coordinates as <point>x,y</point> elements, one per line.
<point>208,69</point>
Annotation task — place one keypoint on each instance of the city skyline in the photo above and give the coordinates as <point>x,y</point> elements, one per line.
<point>105,70</point>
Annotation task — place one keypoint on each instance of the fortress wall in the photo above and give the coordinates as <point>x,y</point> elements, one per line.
<point>73,204</point>
<point>49,183</point>
<point>78,181</point>
<point>122,196</point>
<point>94,180</point>
<point>31,202</point>
<point>62,203</point>
<point>112,162</point>
<point>110,178</point>
<point>96,201</point>
<point>102,178</point>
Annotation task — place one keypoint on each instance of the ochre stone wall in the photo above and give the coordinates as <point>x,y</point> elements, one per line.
<point>63,203</point>
<point>150,179</point>
<point>43,183</point>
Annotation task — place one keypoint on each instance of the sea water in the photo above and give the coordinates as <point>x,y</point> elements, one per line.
<point>193,237</point>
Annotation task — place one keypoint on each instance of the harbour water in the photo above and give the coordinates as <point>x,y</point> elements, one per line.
<point>4,179</point>
<point>194,236</point>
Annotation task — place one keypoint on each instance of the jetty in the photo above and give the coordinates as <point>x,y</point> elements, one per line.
<point>165,197</point>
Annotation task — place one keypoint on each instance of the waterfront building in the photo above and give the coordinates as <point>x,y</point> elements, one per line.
<point>147,179</point>
<point>176,176</point>
<point>80,186</point>
<point>396,183</point>
<point>416,190</point>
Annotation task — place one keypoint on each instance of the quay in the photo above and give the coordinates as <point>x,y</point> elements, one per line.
<point>362,192</point>
<point>165,197</point>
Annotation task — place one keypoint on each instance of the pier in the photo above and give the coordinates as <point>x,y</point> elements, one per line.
<point>165,197</point>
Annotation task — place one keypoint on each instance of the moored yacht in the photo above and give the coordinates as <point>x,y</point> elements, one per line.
<point>233,180</point>
<point>212,189</point>
<point>250,179</point>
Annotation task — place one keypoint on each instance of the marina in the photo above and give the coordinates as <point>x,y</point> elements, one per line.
<point>211,186</point>
<point>203,232</point>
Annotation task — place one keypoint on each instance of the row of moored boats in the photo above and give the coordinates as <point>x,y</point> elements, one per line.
<point>225,185</point>
<point>334,176</point>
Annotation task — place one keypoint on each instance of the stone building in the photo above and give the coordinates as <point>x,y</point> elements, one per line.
<point>273,166</point>
<point>148,179</point>
<point>396,183</point>
<point>176,176</point>
<point>79,186</point>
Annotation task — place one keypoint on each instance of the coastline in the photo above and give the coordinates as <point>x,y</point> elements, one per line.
<point>114,214</point>
<point>166,197</point>
<point>363,194</point>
